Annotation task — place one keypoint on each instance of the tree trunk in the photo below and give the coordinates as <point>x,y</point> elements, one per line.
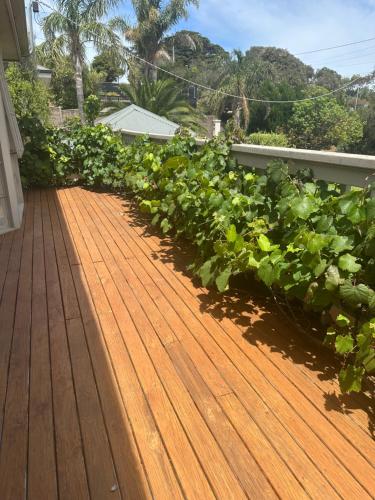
<point>79,85</point>
<point>246,112</point>
<point>237,116</point>
<point>150,73</point>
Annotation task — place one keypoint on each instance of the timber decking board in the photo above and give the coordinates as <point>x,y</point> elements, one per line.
<point>118,379</point>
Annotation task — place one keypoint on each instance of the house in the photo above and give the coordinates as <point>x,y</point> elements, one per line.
<point>139,120</point>
<point>13,47</point>
<point>44,75</point>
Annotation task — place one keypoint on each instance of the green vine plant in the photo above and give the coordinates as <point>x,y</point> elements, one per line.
<point>299,236</point>
<point>303,238</point>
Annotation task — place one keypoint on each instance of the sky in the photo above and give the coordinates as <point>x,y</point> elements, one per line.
<point>296,25</point>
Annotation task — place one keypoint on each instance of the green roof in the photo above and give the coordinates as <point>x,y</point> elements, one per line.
<point>136,119</point>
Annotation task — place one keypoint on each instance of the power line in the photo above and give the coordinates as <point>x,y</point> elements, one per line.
<point>221,92</point>
<point>334,47</point>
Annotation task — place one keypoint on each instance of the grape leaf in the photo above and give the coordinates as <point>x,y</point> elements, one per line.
<point>344,344</point>
<point>332,278</point>
<point>264,243</point>
<point>223,279</point>
<point>350,378</point>
<point>267,273</point>
<point>231,233</point>
<point>354,295</point>
<point>342,320</point>
<point>303,207</point>
<point>349,263</point>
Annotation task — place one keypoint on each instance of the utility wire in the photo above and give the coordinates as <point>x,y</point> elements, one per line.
<point>221,92</point>
<point>334,47</point>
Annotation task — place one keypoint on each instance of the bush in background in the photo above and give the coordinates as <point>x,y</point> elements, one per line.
<point>269,139</point>
<point>91,108</point>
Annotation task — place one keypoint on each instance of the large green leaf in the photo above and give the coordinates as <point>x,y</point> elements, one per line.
<point>316,242</point>
<point>340,244</point>
<point>223,279</point>
<point>349,263</point>
<point>231,233</point>
<point>332,278</point>
<point>355,295</point>
<point>266,273</point>
<point>264,243</point>
<point>350,378</point>
<point>344,344</point>
<point>303,207</point>
<point>206,273</point>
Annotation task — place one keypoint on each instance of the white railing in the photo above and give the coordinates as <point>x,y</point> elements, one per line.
<point>341,168</point>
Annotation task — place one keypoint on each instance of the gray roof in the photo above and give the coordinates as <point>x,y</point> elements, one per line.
<point>137,119</point>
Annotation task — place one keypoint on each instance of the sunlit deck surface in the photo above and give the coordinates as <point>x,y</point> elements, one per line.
<point>121,378</point>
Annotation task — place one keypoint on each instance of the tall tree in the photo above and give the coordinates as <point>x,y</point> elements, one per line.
<point>73,25</point>
<point>110,64</point>
<point>154,19</point>
<point>235,81</point>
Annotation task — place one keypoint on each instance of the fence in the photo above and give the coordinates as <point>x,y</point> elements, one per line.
<point>59,115</point>
<point>341,168</point>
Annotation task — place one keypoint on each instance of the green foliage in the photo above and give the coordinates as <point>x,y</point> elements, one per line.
<point>295,234</point>
<point>328,78</point>
<point>110,64</point>
<point>63,83</point>
<point>36,165</point>
<point>164,98</point>
<point>30,100</point>
<point>269,139</point>
<point>281,65</point>
<point>29,96</point>
<point>90,155</point>
<point>324,123</point>
<point>153,21</point>
<point>91,108</point>
<point>71,27</point>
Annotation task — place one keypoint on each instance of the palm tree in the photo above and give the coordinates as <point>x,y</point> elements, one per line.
<point>235,82</point>
<point>72,25</point>
<point>153,22</point>
<point>163,97</point>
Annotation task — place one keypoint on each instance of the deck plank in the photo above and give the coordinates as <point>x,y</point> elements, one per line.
<point>128,464</point>
<point>165,392</point>
<point>252,375</point>
<point>42,472</point>
<point>13,455</point>
<point>71,468</point>
<point>317,481</point>
<point>257,479</point>
<point>120,378</point>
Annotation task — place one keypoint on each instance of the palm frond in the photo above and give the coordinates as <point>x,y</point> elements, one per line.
<point>164,98</point>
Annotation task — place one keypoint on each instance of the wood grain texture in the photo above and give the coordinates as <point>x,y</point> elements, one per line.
<point>121,378</point>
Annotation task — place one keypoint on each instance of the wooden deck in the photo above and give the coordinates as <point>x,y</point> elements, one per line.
<point>120,378</point>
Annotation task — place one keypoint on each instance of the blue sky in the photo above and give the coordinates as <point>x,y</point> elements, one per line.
<point>296,25</point>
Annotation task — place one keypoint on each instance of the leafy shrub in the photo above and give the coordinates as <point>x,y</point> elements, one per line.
<point>324,123</point>
<point>299,236</point>
<point>29,96</point>
<point>37,165</point>
<point>269,139</point>
<point>91,108</point>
